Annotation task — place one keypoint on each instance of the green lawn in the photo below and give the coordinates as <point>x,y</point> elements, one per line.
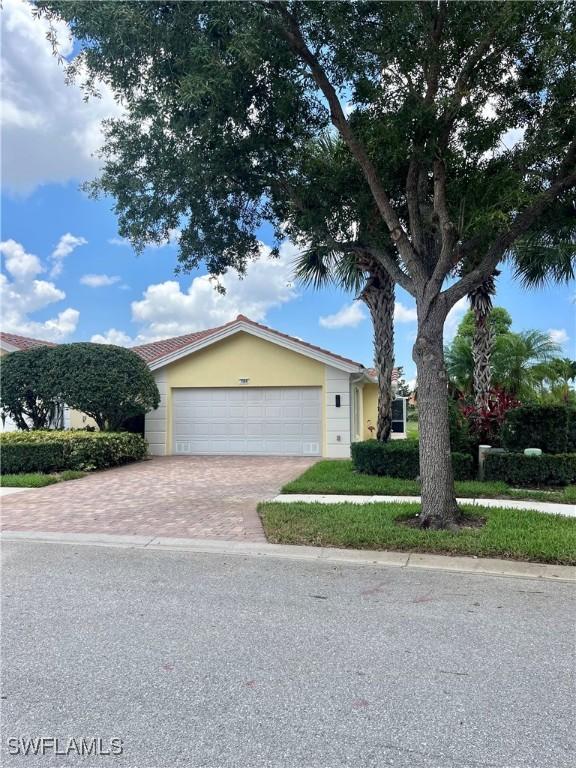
<point>339,476</point>
<point>507,533</point>
<point>412,430</point>
<point>38,480</point>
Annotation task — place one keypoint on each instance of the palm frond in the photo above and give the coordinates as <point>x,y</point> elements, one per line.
<point>315,267</point>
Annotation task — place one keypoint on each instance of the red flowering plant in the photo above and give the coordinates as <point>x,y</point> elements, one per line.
<point>486,423</point>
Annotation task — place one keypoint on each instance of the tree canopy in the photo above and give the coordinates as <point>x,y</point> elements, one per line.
<point>108,383</point>
<point>376,129</point>
<point>229,107</point>
<point>28,393</point>
<point>500,320</point>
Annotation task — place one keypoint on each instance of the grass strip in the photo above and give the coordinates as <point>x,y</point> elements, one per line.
<point>507,533</point>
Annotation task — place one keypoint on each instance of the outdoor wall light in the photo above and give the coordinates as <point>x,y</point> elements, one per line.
<point>337,401</point>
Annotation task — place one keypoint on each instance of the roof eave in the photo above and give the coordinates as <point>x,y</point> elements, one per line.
<point>259,332</point>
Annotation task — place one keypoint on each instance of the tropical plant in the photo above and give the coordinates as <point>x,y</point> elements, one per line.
<point>486,422</point>
<point>556,379</point>
<point>517,360</point>
<point>224,102</point>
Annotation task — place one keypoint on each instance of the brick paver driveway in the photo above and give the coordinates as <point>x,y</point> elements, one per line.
<point>181,496</point>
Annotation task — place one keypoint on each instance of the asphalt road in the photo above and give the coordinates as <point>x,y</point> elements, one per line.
<point>220,661</point>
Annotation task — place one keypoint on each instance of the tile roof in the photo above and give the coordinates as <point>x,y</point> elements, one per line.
<point>23,342</point>
<point>158,349</point>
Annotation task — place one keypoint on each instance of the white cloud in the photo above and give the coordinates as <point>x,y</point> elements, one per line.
<point>49,134</point>
<point>113,336</point>
<point>348,317</point>
<point>21,265</point>
<point>404,314</point>
<point>64,248</point>
<point>99,281</point>
<point>120,241</point>
<point>454,317</point>
<point>167,310</point>
<point>558,335</point>
<point>22,294</point>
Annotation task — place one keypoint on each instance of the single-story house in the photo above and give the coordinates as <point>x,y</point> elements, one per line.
<point>244,388</point>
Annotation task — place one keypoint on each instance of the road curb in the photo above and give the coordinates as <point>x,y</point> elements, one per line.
<point>412,560</point>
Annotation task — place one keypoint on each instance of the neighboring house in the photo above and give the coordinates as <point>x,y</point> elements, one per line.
<point>243,388</point>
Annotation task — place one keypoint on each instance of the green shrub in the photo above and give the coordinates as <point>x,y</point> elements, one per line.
<point>109,383</point>
<point>399,458</point>
<point>520,470</point>
<point>52,451</point>
<point>29,393</point>
<point>549,427</point>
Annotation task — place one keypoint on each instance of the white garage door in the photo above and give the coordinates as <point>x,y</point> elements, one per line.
<point>280,421</point>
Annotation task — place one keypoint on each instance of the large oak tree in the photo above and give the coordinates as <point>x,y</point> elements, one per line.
<point>224,102</point>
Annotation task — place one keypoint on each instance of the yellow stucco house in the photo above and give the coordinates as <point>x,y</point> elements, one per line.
<point>243,388</point>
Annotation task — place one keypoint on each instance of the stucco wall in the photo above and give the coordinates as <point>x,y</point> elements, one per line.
<point>370,408</point>
<point>79,420</point>
<point>245,356</point>
<point>264,364</point>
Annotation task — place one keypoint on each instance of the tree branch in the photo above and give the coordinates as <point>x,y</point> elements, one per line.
<point>521,224</point>
<point>293,35</point>
<point>449,232</point>
<point>432,77</point>
<point>462,81</point>
<point>383,258</point>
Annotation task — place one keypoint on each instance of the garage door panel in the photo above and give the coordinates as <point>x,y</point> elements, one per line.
<point>252,421</point>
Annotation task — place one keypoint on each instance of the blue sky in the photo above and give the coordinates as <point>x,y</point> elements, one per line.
<point>67,276</point>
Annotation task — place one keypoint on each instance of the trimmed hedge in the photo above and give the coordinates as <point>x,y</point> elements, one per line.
<point>520,470</point>
<point>399,458</point>
<point>549,427</point>
<point>54,451</point>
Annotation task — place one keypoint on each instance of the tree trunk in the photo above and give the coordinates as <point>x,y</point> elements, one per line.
<point>378,295</point>
<point>483,340</point>
<point>439,508</point>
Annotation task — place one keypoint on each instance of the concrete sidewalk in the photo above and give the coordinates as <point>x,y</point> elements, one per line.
<point>478,565</point>
<point>567,510</point>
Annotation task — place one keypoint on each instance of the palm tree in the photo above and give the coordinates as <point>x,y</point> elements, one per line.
<point>546,254</point>
<point>320,266</point>
<point>554,380</point>
<point>483,340</point>
<point>517,357</point>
